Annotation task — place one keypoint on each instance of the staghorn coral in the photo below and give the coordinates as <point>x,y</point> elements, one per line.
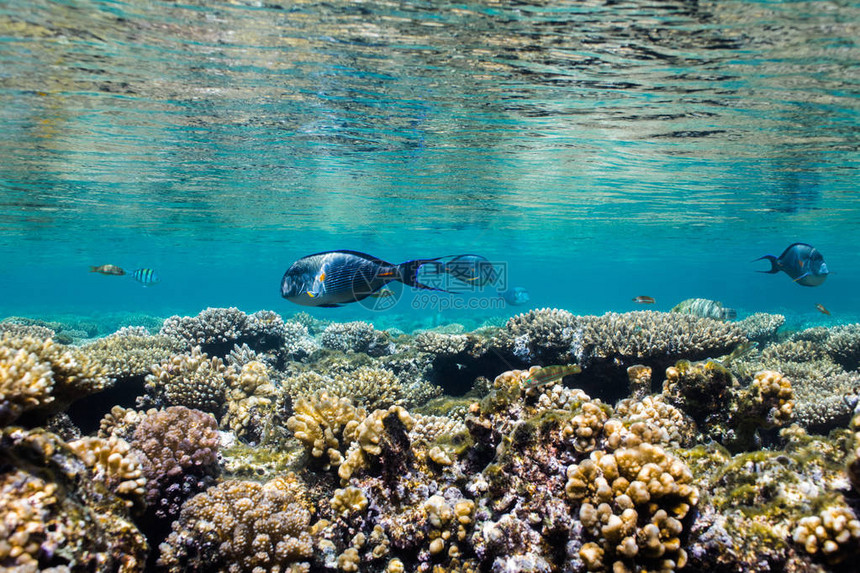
<point>191,380</point>
<point>356,337</point>
<point>250,401</point>
<point>43,377</point>
<point>129,353</point>
<point>54,516</point>
<point>242,526</point>
<point>178,451</point>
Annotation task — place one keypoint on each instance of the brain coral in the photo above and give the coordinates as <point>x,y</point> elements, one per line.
<point>178,450</point>
<point>241,526</point>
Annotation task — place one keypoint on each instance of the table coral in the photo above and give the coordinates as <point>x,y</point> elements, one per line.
<point>217,330</point>
<point>130,353</point>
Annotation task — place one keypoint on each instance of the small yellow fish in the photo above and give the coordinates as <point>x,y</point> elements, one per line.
<point>821,309</point>
<point>644,300</point>
<point>107,270</point>
<point>548,374</point>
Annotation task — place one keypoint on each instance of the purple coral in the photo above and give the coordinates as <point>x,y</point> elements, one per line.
<point>178,449</point>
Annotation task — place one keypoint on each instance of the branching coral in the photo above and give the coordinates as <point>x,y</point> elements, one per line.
<point>129,353</point>
<point>217,330</point>
<point>112,462</point>
<point>324,424</point>
<point>42,376</point>
<point>241,526</point>
<point>250,401</point>
<point>191,380</point>
<point>356,337</point>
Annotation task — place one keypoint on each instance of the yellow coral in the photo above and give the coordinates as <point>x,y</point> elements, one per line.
<point>366,437</point>
<point>348,500</point>
<point>25,381</point>
<point>320,423</point>
<point>112,462</point>
<point>250,399</point>
<point>831,533</point>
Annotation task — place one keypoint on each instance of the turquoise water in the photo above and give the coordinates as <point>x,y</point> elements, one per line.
<point>599,150</point>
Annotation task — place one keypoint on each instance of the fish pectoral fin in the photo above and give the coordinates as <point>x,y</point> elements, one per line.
<point>311,294</point>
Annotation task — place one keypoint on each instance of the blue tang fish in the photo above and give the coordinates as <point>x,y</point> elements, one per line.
<point>145,277</point>
<point>333,278</point>
<point>516,296</point>
<point>802,262</point>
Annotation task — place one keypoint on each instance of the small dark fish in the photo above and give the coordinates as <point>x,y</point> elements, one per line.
<point>471,269</point>
<point>107,270</point>
<point>821,309</point>
<point>145,277</point>
<point>802,262</point>
<point>549,374</point>
<point>644,300</point>
<point>515,296</point>
<point>333,278</point>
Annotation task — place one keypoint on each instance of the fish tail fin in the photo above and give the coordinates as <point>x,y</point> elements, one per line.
<point>94,269</point>
<point>729,313</point>
<point>773,266</point>
<point>409,273</point>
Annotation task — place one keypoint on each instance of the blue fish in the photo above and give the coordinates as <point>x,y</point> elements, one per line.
<point>145,277</point>
<point>333,278</point>
<point>516,296</point>
<point>471,269</point>
<point>802,262</point>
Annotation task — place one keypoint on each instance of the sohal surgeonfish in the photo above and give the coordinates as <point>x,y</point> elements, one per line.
<point>802,262</point>
<point>333,278</point>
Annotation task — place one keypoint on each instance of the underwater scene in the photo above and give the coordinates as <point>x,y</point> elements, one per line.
<point>428,286</point>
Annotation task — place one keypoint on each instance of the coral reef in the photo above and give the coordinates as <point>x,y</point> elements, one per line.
<point>356,337</point>
<point>309,445</point>
<point>191,380</point>
<point>178,451</point>
<point>44,377</point>
<point>242,526</point>
<point>55,516</point>
<point>217,330</point>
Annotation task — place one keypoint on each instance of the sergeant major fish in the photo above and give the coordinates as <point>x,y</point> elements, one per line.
<point>802,262</point>
<point>704,308</point>
<point>145,277</point>
<point>333,278</point>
